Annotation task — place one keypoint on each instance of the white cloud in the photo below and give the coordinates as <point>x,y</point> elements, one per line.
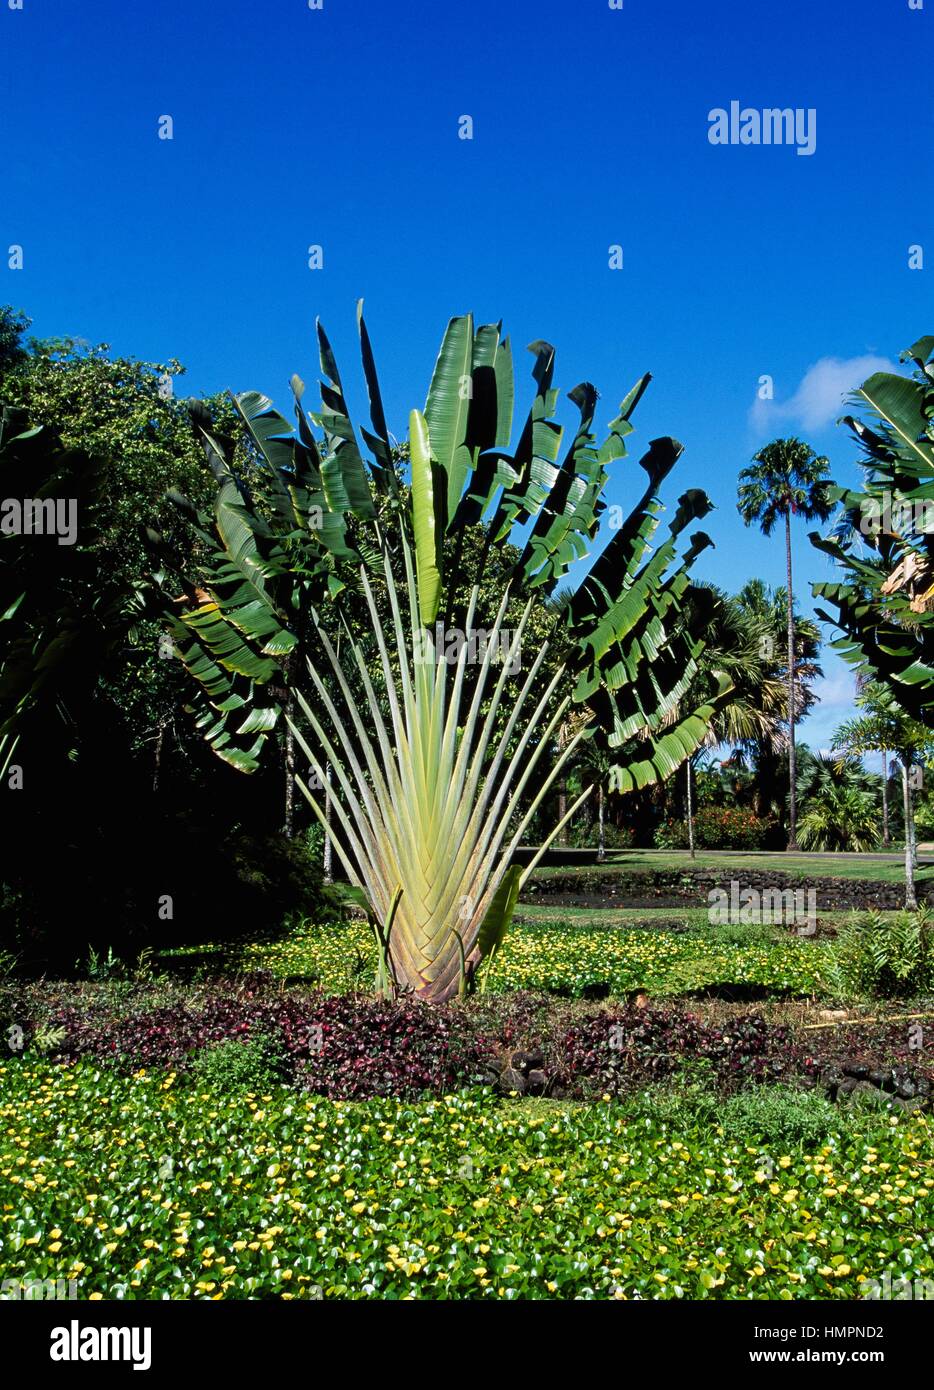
<point>836,690</point>
<point>821,396</point>
<point>836,693</point>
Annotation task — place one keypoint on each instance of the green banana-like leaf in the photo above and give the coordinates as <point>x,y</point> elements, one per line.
<point>665,754</point>
<point>898,401</point>
<point>447,409</point>
<point>425,525</point>
<point>498,915</point>
<point>884,595</point>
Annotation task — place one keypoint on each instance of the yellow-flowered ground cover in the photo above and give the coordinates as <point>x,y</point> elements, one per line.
<point>563,958</point>
<point>145,1187</point>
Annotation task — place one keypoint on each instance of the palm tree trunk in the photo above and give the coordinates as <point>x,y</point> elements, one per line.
<point>601,841</point>
<point>792,759</point>
<point>911,900</point>
<point>886,838</point>
<point>690,808</point>
<point>288,751</point>
<point>562,809</point>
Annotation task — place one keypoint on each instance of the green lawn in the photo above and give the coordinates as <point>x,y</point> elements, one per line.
<point>647,918</point>
<point>885,870</point>
<point>148,1187</point>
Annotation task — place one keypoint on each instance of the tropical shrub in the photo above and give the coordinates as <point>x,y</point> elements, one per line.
<point>777,1117</point>
<point>882,955</point>
<point>840,818</point>
<point>783,1117</point>
<point>717,827</point>
<point>884,542</point>
<point>587,836</point>
<point>249,1064</point>
<point>407,736</point>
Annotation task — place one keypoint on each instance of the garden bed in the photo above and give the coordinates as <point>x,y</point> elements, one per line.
<point>353,1047</point>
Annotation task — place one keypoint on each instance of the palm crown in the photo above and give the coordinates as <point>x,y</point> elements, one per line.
<point>785,476</point>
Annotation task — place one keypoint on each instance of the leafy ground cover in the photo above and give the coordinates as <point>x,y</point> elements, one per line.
<point>561,957</point>
<point>255,1029</point>
<point>147,1186</point>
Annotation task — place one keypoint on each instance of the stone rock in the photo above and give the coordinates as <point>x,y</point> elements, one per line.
<point>851,1087</point>
<point>526,1061</point>
<point>512,1080</point>
<point>830,1081</point>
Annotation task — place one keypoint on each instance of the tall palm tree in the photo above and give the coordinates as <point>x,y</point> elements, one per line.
<point>886,725</point>
<point>786,477</point>
<point>738,646</point>
<point>766,750</point>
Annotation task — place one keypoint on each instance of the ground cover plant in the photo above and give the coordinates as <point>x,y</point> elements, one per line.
<point>254,1030</point>
<point>563,958</point>
<point>148,1185</point>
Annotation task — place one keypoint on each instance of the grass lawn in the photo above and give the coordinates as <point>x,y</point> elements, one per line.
<point>147,1186</point>
<point>889,869</point>
<point>634,918</point>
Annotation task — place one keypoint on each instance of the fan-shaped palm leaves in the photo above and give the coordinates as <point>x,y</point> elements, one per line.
<point>438,763</point>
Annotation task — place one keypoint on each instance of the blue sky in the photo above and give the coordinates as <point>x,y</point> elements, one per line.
<point>339,127</point>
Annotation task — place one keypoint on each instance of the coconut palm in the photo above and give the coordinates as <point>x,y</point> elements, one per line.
<point>786,478</point>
